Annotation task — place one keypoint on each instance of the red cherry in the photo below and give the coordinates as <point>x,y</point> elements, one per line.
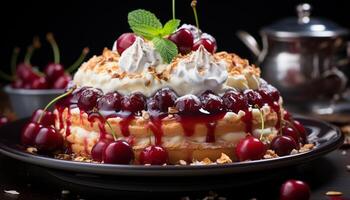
<point>196,33</point>
<point>98,150</point>
<point>109,102</point>
<point>183,39</point>
<point>283,145</point>
<point>25,72</point>
<point>211,38</point>
<point>118,152</point>
<point>207,44</point>
<point>48,118</point>
<point>48,140</point>
<point>250,148</point>
<point>235,101</point>
<point>88,99</point>
<point>18,83</point>
<point>294,190</point>
<point>301,130</point>
<point>212,103</point>
<point>153,155</point>
<point>29,133</point>
<point>3,120</point>
<point>134,103</point>
<point>287,116</point>
<point>289,131</point>
<point>39,83</point>
<point>53,71</point>
<point>165,98</point>
<point>188,104</point>
<point>62,81</point>
<point>254,98</point>
<point>125,41</point>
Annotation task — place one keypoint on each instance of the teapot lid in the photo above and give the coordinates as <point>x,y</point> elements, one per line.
<point>304,26</point>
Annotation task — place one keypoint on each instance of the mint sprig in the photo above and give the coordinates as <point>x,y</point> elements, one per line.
<point>147,25</point>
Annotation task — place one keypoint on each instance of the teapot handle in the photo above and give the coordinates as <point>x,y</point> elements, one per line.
<point>249,41</point>
<point>339,74</point>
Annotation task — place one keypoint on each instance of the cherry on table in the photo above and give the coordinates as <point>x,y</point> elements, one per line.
<point>125,41</point>
<point>188,104</point>
<point>283,145</point>
<point>183,39</point>
<point>110,101</point>
<point>134,103</point>
<point>48,139</point>
<point>62,81</point>
<point>206,43</point>
<point>153,155</point>
<point>165,98</point>
<point>53,71</point>
<point>235,101</point>
<point>98,150</point>
<point>29,133</point>
<point>294,190</point>
<point>118,152</point>
<point>250,148</point>
<point>48,118</point>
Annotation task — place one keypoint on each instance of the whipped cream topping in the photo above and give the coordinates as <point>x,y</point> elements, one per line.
<point>139,56</point>
<point>198,73</point>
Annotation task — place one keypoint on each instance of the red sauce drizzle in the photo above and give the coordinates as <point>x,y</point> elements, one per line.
<point>248,120</point>
<point>155,124</point>
<point>127,117</point>
<point>68,122</point>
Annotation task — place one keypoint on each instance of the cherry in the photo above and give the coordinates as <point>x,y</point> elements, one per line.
<point>250,148</point>
<point>165,98</point>
<point>134,103</point>
<point>88,99</point>
<point>283,145</point>
<point>25,72</point>
<point>118,152</point>
<point>206,43</point>
<point>98,150</point>
<point>48,139</point>
<point>39,83</point>
<point>234,101</point>
<point>48,118</point>
<point>212,103</point>
<point>301,130</point>
<point>154,155</point>
<point>254,98</point>
<point>289,131</point>
<point>53,71</point>
<point>196,33</point>
<point>3,120</point>
<point>29,133</point>
<point>287,116</point>
<point>110,101</point>
<point>273,93</point>
<point>125,41</point>
<point>62,81</point>
<point>183,39</point>
<point>188,104</point>
<point>18,83</point>
<point>211,38</point>
<point>294,189</point>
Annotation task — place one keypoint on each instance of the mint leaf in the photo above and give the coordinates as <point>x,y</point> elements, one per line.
<point>166,48</point>
<point>170,27</point>
<point>144,23</point>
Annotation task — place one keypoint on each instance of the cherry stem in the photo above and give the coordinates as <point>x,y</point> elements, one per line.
<point>193,5</point>
<point>109,125</point>
<point>5,76</point>
<point>56,51</point>
<point>77,63</point>
<point>14,58</point>
<point>173,6</point>
<point>54,101</point>
<point>262,123</point>
<point>35,45</point>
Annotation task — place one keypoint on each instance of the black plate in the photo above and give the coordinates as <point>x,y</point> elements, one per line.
<point>325,136</point>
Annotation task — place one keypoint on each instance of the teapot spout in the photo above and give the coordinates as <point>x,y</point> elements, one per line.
<point>249,41</point>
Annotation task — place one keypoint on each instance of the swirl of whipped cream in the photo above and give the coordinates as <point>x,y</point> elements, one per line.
<point>198,73</point>
<point>139,56</point>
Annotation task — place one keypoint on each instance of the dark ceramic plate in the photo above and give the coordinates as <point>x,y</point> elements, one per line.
<point>325,136</point>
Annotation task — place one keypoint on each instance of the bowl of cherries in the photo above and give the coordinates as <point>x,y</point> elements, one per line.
<point>31,88</point>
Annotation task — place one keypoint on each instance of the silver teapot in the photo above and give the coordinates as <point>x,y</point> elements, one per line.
<point>300,56</point>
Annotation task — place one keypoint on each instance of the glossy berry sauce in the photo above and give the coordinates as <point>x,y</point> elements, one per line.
<point>192,110</point>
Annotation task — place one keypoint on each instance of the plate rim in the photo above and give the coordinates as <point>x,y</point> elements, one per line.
<point>172,170</point>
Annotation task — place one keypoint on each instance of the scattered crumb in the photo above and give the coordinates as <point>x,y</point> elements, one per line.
<point>205,161</point>
<point>14,192</point>
<point>270,154</point>
<point>293,152</point>
<point>145,114</point>
<point>223,159</point>
<point>306,148</point>
<point>182,162</point>
<point>32,150</point>
<point>334,193</point>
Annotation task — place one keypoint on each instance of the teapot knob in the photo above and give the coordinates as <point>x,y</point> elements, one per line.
<point>304,12</point>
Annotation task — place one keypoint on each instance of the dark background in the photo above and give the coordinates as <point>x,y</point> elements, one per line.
<point>98,24</point>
